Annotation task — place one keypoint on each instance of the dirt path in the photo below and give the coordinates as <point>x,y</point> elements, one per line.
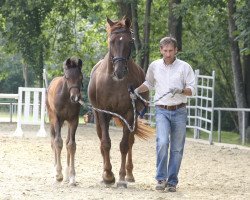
<point>208,171</point>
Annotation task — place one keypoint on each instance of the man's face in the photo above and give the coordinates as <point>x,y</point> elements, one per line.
<point>168,52</point>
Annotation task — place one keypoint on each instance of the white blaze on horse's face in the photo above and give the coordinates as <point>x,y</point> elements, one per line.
<point>120,38</point>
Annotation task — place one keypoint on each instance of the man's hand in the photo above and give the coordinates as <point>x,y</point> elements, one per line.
<point>175,91</point>
<point>133,96</point>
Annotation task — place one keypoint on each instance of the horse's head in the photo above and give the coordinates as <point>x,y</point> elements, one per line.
<point>120,45</point>
<point>73,76</point>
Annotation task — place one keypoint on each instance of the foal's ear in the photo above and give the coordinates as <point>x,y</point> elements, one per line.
<point>111,23</point>
<point>68,62</point>
<point>80,63</point>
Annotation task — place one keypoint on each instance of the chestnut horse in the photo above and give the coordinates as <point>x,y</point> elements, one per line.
<point>62,105</point>
<point>108,90</point>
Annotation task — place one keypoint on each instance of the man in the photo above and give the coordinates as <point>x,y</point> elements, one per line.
<point>175,78</point>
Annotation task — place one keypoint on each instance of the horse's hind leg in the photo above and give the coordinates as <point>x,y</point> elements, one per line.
<point>58,145</point>
<point>71,149</point>
<point>129,165</point>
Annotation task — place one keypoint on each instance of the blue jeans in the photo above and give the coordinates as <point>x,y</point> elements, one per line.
<point>170,131</point>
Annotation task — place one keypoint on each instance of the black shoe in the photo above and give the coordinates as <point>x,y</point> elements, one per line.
<point>171,188</point>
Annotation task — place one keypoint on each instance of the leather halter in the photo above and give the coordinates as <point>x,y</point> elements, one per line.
<point>117,59</point>
<point>74,86</point>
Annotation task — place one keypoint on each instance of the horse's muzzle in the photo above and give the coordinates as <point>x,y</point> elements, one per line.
<point>121,70</point>
<point>75,98</point>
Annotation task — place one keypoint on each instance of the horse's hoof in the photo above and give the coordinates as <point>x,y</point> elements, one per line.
<point>72,181</point>
<point>122,184</point>
<point>108,179</point>
<point>108,182</point>
<point>130,179</point>
<point>59,177</point>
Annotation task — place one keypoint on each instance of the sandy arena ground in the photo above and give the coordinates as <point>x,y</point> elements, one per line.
<point>208,171</point>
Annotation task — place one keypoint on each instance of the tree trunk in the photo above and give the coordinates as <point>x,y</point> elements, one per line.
<point>246,72</point>
<point>137,40</point>
<point>175,23</point>
<point>145,57</point>
<point>124,8</point>
<point>25,75</point>
<point>41,64</point>
<point>236,63</point>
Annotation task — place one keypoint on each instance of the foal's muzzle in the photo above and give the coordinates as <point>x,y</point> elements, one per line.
<point>75,94</point>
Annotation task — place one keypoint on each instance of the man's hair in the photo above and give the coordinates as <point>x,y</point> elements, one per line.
<point>168,40</point>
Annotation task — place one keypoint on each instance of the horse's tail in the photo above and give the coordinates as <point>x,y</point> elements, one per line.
<point>143,129</point>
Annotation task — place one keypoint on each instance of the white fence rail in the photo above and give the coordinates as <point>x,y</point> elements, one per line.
<point>26,115</point>
<point>30,109</point>
<point>243,111</point>
<point>11,105</point>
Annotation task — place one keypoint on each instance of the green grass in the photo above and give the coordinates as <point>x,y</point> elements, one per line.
<point>226,137</point>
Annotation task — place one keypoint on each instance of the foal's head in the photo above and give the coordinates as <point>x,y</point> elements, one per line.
<point>120,45</point>
<point>73,75</point>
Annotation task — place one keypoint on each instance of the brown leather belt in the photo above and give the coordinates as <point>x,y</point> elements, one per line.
<point>172,107</point>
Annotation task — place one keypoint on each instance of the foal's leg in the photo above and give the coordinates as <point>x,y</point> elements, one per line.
<point>71,150</point>
<point>58,144</point>
<point>129,165</point>
<point>102,126</point>
<point>52,135</point>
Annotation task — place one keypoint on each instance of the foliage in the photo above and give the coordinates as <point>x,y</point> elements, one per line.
<point>243,22</point>
<point>13,76</point>
<point>23,29</point>
<point>44,33</point>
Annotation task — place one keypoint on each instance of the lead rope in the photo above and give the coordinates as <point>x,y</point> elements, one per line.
<point>131,129</point>
<point>150,102</point>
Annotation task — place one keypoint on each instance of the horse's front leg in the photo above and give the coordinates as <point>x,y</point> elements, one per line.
<point>129,164</point>
<point>124,146</point>
<point>71,150</point>
<point>58,145</point>
<point>102,127</point>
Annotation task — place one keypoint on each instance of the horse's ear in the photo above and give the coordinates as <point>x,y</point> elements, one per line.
<point>80,63</point>
<point>111,23</point>
<point>127,22</point>
<point>68,62</point>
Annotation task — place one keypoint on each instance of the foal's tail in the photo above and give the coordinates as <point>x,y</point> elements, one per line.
<point>143,129</point>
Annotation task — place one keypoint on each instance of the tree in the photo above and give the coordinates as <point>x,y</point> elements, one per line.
<point>124,8</point>
<point>136,32</point>
<point>145,46</point>
<point>23,28</point>
<point>175,23</point>
<point>236,62</point>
